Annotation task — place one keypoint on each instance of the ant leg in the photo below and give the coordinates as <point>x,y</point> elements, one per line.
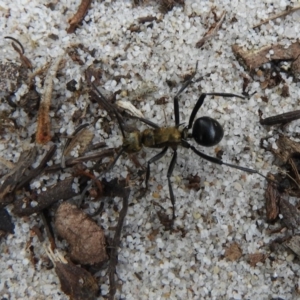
<point>219,161</point>
<point>184,86</point>
<point>111,165</point>
<point>108,106</point>
<point>152,160</point>
<point>201,100</point>
<point>170,171</point>
<point>148,122</point>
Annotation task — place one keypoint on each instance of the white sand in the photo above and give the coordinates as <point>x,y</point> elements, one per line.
<point>229,206</point>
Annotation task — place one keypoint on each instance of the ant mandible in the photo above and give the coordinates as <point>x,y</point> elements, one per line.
<point>206,131</point>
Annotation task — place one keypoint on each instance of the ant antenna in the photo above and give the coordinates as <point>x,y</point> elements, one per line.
<point>108,107</point>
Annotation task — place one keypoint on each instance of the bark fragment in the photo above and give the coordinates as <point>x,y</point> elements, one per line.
<point>252,59</point>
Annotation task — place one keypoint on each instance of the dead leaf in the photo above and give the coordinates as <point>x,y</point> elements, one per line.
<point>255,258</point>
<point>233,252</point>
<point>86,238</point>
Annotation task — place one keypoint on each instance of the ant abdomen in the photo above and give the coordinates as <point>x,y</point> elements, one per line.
<point>207,132</point>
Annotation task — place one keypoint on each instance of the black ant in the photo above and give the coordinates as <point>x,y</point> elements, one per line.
<point>205,131</point>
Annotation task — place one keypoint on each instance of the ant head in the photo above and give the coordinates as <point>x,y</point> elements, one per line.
<point>207,132</point>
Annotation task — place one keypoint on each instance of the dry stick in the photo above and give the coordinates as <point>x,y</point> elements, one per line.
<point>8,164</point>
<point>283,14</point>
<point>43,135</point>
<point>115,246</point>
<point>92,177</point>
<point>48,229</point>
<point>295,170</point>
<point>36,72</point>
<point>63,190</point>
<point>37,171</point>
<point>272,196</point>
<point>212,31</point>
<point>288,175</point>
<point>281,118</point>
<point>78,17</point>
<point>73,161</point>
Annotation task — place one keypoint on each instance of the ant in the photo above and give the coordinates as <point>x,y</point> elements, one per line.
<point>205,131</point>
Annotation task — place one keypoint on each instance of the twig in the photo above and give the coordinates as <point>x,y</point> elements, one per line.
<point>281,118</point>
<point>73,161</point>
<point>8,164</point>
<point>288,175</point>
<point>63,190</point>
<point>49,230</point>
<point>92,177</point>
<point>295,170</point>
<point>78,17</point>
<point>36,72</point>
<point>115,245</point>
<point>212,31</point>
<point>35,172</point>
<point>283,14</point>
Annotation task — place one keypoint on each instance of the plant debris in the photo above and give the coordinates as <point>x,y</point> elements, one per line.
<point>284,184</point>
<point>34,202</point>
<point>255,258</point>
<point>12,76</point>
<point>164,5</point>
<point>168,5</point>
<point>48,179</point>
<point>233,252</point>
<point>75,281</point>
<point>290,214</point>
<point>85,237</point>
<point>98,156</point>
<point>280,15</point>
<point>43,133</point>
<point>129,108</point>
<point>25,61</point>
<point>80,14</point>
<point>6,224</point>
<point>12,178</point>
<point>272,196</point>
<point>39,169</point>
<point>253,59</point>
<point>286,148</point>
<point>293,243</point>
<point>212,31</point>
<point>116,243</point>
<point>194,182</point>
<point>79,143</point>
<point>281,118</point>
